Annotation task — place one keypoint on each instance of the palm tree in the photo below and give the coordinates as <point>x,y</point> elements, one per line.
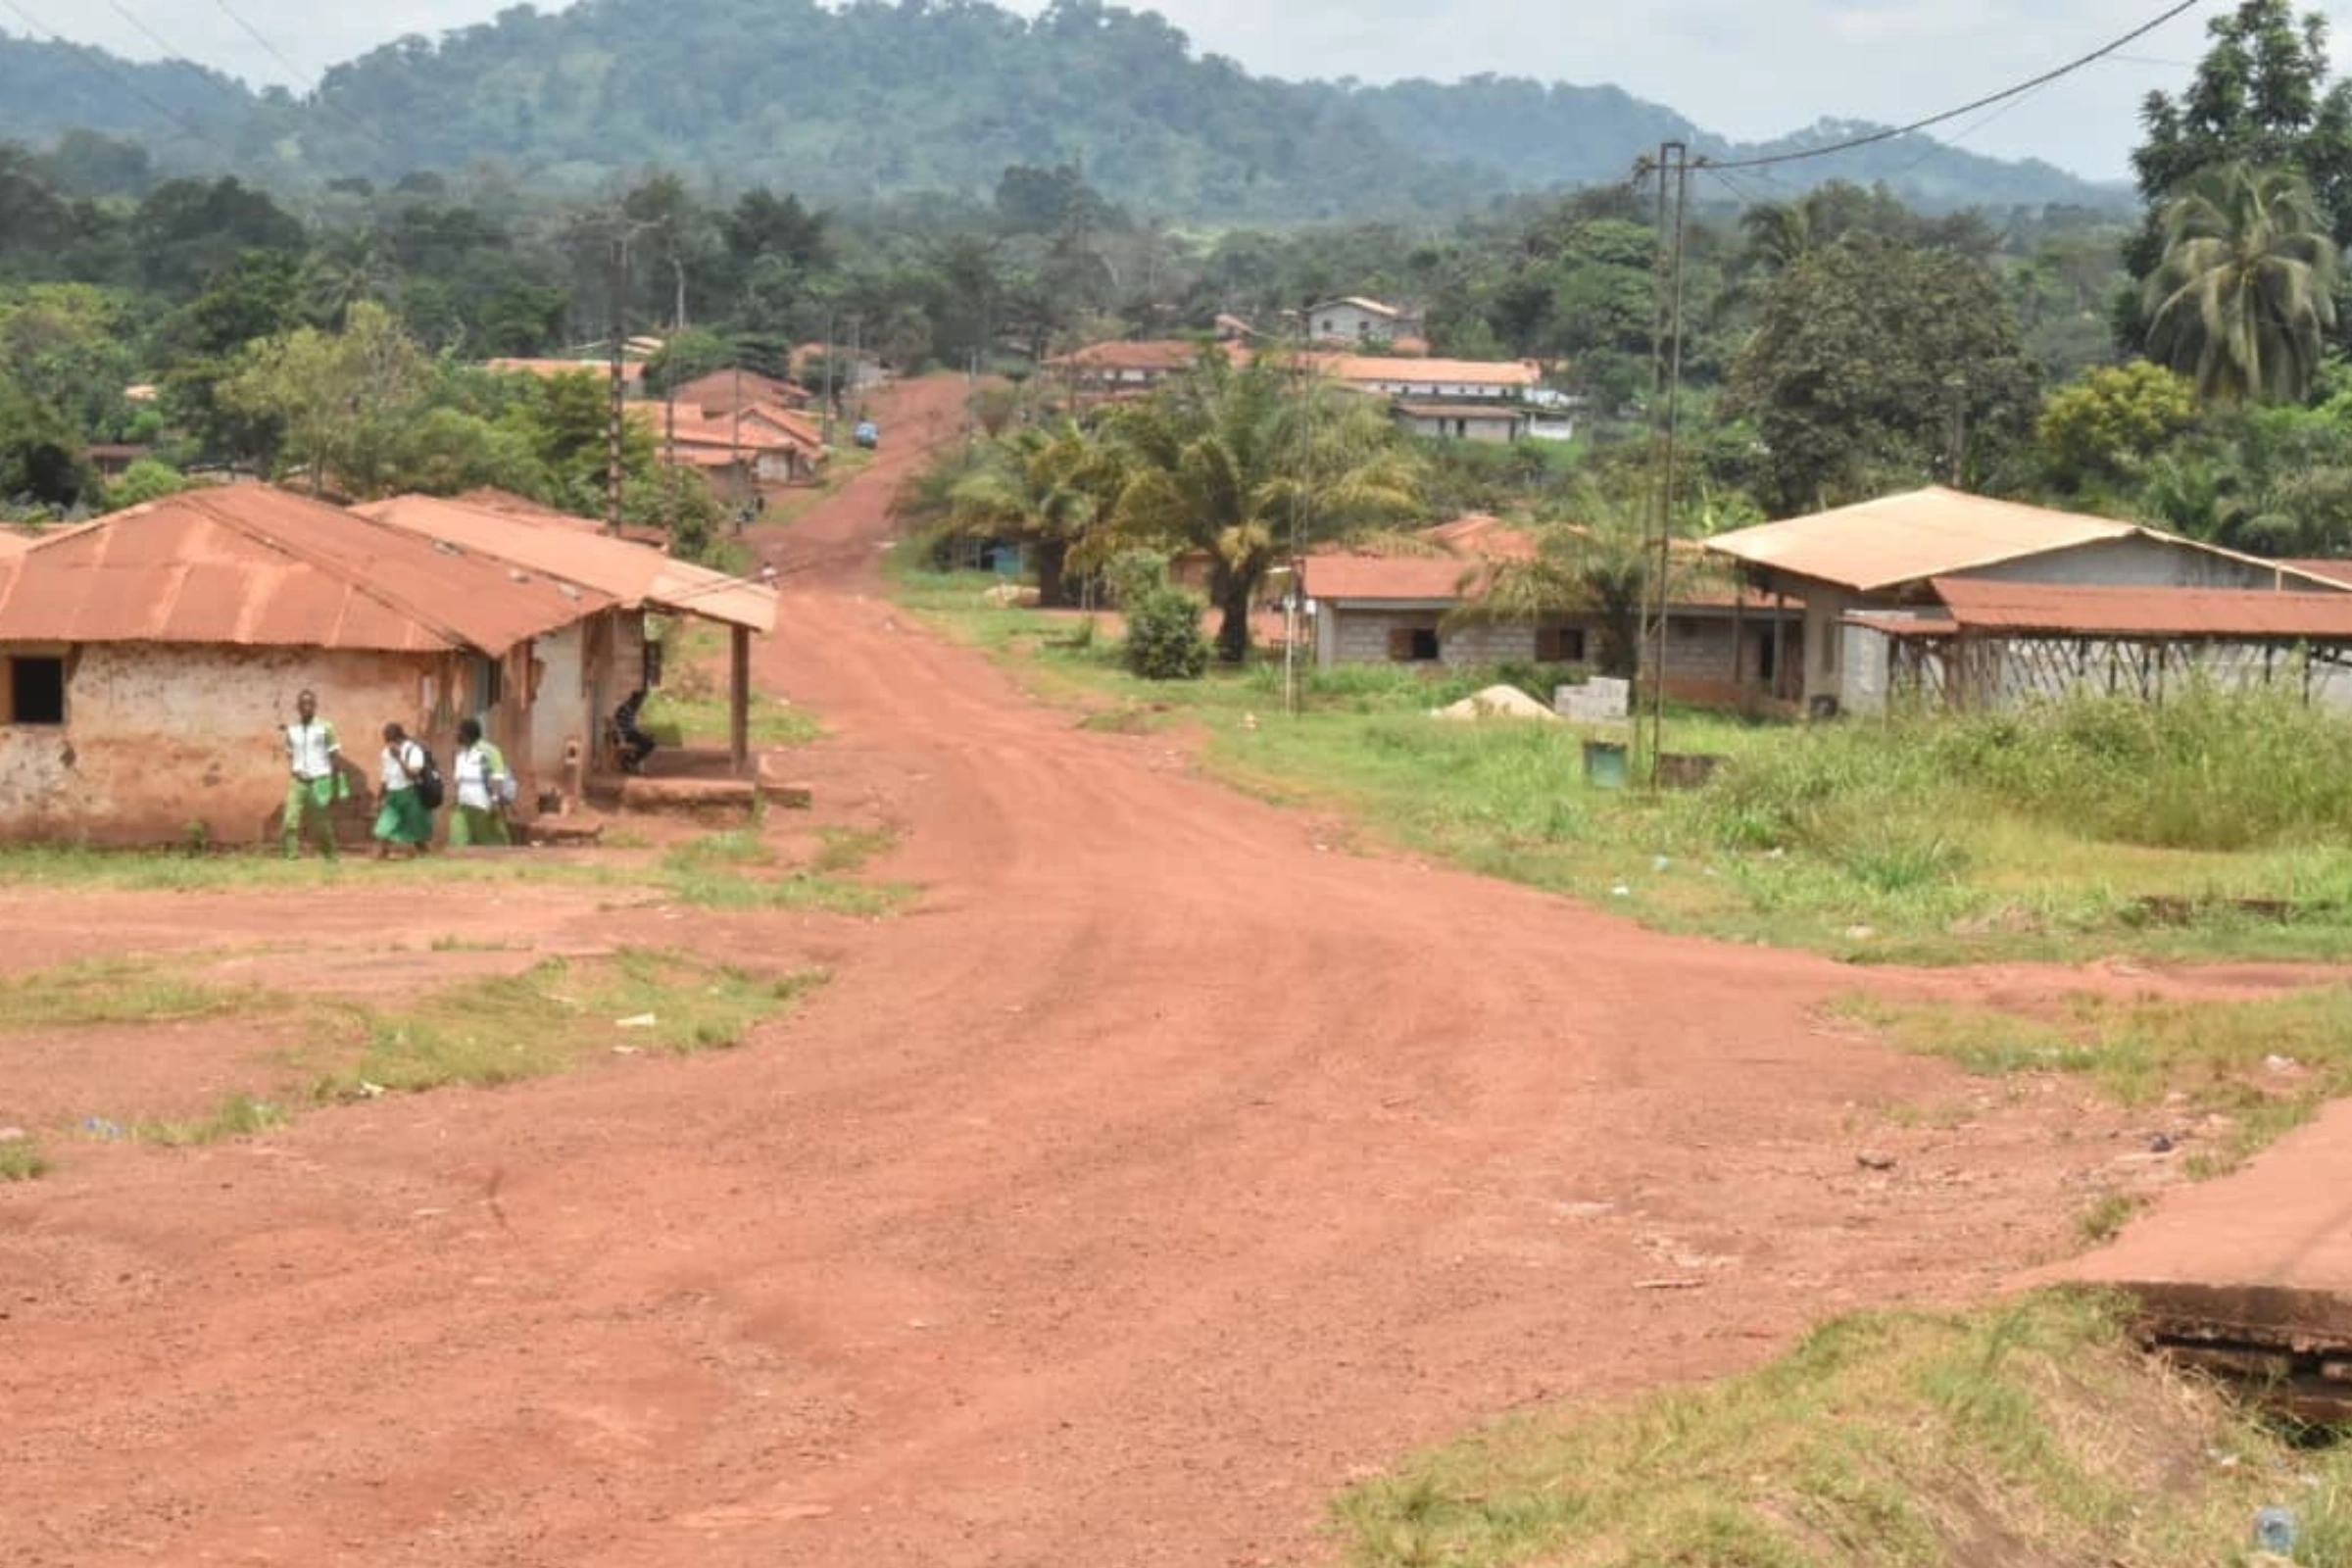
<point>2246,289</point>
<point>1041,488</point>
<point>1239,462</point>
<point>1596,568</point>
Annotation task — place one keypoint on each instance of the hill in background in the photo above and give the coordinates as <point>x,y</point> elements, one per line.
<point>875,100</point>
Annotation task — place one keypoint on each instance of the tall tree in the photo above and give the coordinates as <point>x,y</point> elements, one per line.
<point>1041,488</point>
<point>1237,462</point>
<point>1878,366</point>
<point>2246,292</point>
<point>2261,96</point>
<point>342,398</point>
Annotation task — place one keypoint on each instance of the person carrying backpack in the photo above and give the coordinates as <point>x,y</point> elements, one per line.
<point>484,789</point>
<point>404,817</point>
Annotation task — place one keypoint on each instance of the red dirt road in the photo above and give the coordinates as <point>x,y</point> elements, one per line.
<point>1156,1175</point>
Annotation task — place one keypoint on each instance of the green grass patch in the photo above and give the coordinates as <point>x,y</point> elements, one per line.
<point>262,869</point>
<point>21,1161</point>
<point>691,706</point>
<point>554,1016</point>
<point>677,717</point>
<point>112,990</point>
<point>2212,827</point>
<point>499,1030</point>
<point>2034,1432</point>
<point>735,846</point>
<point>794,890</point>
<point>2263,1066</point>
<point>846,849</point>
<point>238,1115</point>
<point>2104,1220</point>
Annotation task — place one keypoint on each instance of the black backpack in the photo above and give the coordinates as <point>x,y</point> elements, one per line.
<point>429,790</point>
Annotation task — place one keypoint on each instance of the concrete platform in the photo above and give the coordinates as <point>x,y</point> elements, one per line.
<point>2250,1277</point>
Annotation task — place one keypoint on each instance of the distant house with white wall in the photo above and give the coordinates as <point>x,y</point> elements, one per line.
<point>1355,320</point>
<point>1430,381</point>
<point>1406,610</point>
<point>1487,423</point>
<point>1867,577</point>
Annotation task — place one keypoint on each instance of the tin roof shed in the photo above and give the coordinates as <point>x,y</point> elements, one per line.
<point>254,567</point>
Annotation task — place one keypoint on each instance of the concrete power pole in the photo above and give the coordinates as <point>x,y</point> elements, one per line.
<point>612,422</point>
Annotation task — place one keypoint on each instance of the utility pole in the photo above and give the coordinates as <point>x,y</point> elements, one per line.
<point>619,312</point>
<point>1674,200</point>
<point>826,406</point>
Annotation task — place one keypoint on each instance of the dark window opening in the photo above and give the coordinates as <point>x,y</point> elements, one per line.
<point>1559,644</point>
<point>1415,645</point>
<point>37,691</point>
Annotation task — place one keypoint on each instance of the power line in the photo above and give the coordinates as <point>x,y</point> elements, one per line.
<point>170,52</point>
<point>98,60</point>
<point>319,94</point>
<point>1985,102</point>
<point>255,33</point>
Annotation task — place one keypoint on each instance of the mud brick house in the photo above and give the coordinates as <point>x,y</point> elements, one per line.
<point>597,673</point>
<point>1870,580</point>
<point>150,657</point>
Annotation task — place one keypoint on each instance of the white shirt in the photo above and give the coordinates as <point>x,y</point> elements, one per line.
<point>311,749</point>
<point>475,769</point>
<point>401,763</point>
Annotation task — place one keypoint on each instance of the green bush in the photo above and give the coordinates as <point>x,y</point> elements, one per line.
<point>1164,641</point>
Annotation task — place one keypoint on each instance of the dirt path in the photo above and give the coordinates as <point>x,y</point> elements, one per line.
<point>1156,1175</point>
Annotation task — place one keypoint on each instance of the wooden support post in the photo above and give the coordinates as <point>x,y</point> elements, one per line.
<point>739,698</point>
<point>1780,644</point>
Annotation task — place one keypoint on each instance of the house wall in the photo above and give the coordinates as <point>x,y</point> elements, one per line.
<point>159,736</point>
<point>2137,561</point>
<point>1462,428</point>
<point>1359,634</point>
<point>1852,663</point>
<point>1481,391</point>
<point>1352,323</point>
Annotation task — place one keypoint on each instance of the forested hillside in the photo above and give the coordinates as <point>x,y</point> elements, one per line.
<point>876,99</point>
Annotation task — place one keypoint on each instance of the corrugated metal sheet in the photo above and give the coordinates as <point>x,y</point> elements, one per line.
<point>2217,614</point>
<point>254,567</point>
<point>1345,579</point>
<point>1910,537</point>
<point>634,575</point>
<point>1380,369</point>
<point>1478,533</point>
<point>2333,570</point>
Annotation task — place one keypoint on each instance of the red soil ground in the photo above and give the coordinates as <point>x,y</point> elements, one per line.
<point>1156,1174</point>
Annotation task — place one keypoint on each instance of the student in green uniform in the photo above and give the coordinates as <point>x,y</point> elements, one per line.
<point>484,787</point>
<point>313,783</point>
<point>403,821</point>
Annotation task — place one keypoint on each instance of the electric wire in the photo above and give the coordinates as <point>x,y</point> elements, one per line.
<point>318,92</point>
<point>98,60</point>
<point>1891,132</point>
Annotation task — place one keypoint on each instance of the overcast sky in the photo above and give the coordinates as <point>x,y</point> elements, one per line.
<point>1743,67</point>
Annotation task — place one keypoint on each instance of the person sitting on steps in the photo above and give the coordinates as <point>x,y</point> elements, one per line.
<point>635,744</point>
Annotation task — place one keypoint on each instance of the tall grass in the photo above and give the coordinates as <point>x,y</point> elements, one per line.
<point>2206,770</point>
<point>2034,1432</point>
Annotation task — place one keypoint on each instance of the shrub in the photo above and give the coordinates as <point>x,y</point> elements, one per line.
<point>1164,641</point>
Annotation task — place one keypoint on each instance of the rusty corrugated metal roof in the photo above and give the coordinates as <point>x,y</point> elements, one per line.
<point>1362,369</point>
<point>1911,537</point>
<point>1344,579</point>
<point>1478,533</point>
<point>255,567</point>
<point>632,574</point>
<point>2252,614</point>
